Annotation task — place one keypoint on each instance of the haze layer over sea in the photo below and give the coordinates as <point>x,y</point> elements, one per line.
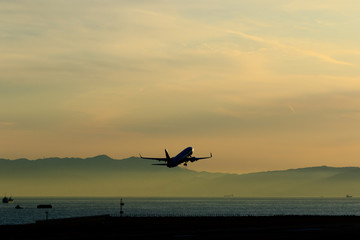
<point>77,207</point>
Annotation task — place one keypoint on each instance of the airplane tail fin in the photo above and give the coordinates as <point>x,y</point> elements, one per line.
<point>167,155</point>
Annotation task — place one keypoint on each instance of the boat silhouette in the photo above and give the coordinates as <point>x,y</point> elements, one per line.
<point>7,200</point>
<point>44,206</point>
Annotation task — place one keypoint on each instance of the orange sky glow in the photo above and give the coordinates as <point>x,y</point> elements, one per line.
<point>263,85</point>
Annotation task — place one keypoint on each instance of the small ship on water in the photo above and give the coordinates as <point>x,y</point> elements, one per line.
<point>7,200</point>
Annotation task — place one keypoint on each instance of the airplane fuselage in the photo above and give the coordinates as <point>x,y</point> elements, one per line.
<point>181,157</point>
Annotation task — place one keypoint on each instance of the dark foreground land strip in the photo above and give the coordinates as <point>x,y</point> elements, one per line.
<point>269,227</point>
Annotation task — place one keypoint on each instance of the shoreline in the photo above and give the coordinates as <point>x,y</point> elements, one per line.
<point>249,227</point>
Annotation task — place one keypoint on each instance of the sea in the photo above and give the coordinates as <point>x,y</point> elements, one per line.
<point>67,207</point>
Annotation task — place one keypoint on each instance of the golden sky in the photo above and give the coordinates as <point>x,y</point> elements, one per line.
<point>263,85</point>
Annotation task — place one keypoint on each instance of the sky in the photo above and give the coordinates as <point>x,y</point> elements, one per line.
<point>262,85</point>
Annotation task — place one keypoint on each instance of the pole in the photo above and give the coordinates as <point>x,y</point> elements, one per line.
<point>121,206</point>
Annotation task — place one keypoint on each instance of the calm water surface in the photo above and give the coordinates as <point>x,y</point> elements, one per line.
<point>76,207</point>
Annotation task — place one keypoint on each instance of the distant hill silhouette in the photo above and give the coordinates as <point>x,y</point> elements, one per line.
<point>104,176</point>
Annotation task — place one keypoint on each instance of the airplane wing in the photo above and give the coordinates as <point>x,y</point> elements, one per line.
<point>193,159</point>
<point>159,159</point>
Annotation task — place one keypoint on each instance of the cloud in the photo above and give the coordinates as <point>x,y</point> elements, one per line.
<point>321,5</point>
<point>285,47</point>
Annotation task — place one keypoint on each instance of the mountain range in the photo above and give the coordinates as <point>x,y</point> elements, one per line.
<point>133,177</point>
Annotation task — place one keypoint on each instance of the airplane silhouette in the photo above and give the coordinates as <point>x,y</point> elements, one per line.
<point>183,157</point>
